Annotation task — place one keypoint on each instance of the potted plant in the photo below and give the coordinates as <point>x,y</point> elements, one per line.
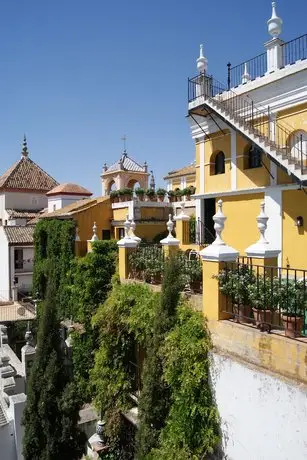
<point>189,191</point>
<point>128,192</point>
<point>171,196</point>
<point>161,194</point>
<point>114,196</point>
<point>236,283</point>
<point>264,298</point>
<point>140,192</point>
<point>121,195</point>
<point>178,194</point>
<point>151,194</point>
<point>292,306</point>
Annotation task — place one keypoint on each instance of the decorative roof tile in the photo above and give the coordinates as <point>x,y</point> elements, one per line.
<point>126,163</point>
<point>19,234</point>
<point>26,175</point>
<point>69,189</point>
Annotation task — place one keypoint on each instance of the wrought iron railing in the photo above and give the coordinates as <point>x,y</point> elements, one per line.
<point>292,51</point>
<point>203,235</point>
<point>255,119</point>
<point>272,298</point>
<point>256,67</point>
<point>147,264</point>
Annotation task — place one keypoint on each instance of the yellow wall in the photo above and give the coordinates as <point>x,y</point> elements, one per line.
<point>241,226</point>
<point>295,117</point>
<point>283,177</point>
<point>219,182</point>
<point>294,238</point>
<point>197,161</point>
<point>120,214</point>
<point>100,213</point>
<point>251,177</point>
<point>150,230</point>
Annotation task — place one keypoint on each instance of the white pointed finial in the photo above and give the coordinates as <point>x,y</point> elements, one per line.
<point>77,237</point>
<point>132,230</point>
<point>262,223</point>
<point>127,226</point>
<point>170,226</point>
<point>202,62</point>
<point>219,223</point>
<point>94,237</point>
<point>275,23</point>
<point>246,76</point>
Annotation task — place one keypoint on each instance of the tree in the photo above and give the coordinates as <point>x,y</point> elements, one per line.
<point>52,409</point>
<point>155,398</point>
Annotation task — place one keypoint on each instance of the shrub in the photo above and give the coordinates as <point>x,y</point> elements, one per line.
<point>161,192</point>
<point>292,296</point>
<point>236,283</point>
<point>171,193</point>
<point>150,192</point>
<point>139,191</point>
<point>114,193</point>
<point>264,293</point>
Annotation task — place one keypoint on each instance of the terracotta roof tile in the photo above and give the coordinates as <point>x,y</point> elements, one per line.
<point>19,234</point>
<point>69,189</point>
<point>22,214</point>
<point>181,172</point>
<point>26,175</point>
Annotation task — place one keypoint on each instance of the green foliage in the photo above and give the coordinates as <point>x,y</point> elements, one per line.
<point>171,193</point>
<point>53,243</point>
<point>192,229</point>
<point>178,192</point>
<point>128,191</point>
<point>150,192</point>
<point>154,402</point>
<point>139,191</point>
<point>147,262</point>
<point>114,194</point>
<point>178,418</point>
<point>90,282</point>
<point>263,294</point>
<point>292,297</point>
<point>192,426</point>
<point>52,410</point>
<point>237,283</point>
<point>161,192</point>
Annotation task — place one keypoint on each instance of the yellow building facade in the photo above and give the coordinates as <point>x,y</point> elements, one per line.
<point>251,145</point>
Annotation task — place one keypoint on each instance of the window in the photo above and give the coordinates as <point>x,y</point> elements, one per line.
<point>106,234</point>
<point>219,163</point>
<point>18,258</point>
<point>254,157</point>
<point>54,207</point>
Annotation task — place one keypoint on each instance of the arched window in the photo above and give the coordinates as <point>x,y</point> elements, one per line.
<point>298,145</point>
<point>219,163</point>
<point>254,157</point>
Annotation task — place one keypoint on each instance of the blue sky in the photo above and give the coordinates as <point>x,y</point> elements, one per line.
<point>76,75</point>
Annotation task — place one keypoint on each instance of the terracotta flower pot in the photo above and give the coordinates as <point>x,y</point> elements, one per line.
<point>171,198</point>
<point>160,198</point>
<point>140,197</point>
<point>188,197</point>
<point>262,317</point>
<point>243,313</point>
<point>121,198</point>
<point>293,325</point>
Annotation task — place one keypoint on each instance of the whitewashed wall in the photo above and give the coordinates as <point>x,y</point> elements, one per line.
<point>263,417</point>
<point>58,202</point>
<point>4,264</point>
<point>7,442</point>
<point>26,201</point>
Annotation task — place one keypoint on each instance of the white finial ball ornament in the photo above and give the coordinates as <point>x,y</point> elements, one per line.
<point>275,23</point>
<point>202,61</point>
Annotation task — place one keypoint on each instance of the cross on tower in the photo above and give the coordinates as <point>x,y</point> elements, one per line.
<point>124,138</point>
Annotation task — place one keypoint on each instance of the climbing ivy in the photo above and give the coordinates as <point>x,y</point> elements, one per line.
<point>178,417</point>
<point>53,243</point>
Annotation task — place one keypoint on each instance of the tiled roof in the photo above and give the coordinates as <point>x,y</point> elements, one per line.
<point>187,170</point>
<point>19,234</point>
<point>26,175</point>
<point>127,165</point>
<point>22,214</point>
<point>70,209</point>
<point>69,189</point>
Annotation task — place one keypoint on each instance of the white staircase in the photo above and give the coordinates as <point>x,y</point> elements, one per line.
<point>254,123</point>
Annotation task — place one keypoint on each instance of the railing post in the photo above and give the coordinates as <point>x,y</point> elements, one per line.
<point>125,246</point>
<point>228,75</point>
<point>214,258</point>
<point>264,253</point>
<point>182,226</point>
<point>170,244</point>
